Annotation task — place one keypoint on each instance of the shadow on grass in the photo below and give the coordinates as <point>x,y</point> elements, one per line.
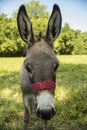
<point>72,74</point>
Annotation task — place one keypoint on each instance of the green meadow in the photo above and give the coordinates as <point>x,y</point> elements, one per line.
<point>70,95</point>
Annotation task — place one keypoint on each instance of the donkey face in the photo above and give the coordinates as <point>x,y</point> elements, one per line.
<point>40,63</point>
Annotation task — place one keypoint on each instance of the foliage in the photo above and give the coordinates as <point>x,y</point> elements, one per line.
<point>38,15</point>
<point>70,95</point>
<point>70,41</point>
<point>10,42</point>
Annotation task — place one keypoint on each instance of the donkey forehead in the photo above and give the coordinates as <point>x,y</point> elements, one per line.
<point>40,51</point>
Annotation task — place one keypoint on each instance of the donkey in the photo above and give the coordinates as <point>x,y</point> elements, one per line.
<point>38,75</point>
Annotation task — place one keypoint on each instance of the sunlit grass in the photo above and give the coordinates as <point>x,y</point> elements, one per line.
<point>73,59</point>
<point>61,94</point>
<point>10,64</point>
<point>6,93</point>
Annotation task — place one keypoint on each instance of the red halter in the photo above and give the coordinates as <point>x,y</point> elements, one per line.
<point>48,84</point>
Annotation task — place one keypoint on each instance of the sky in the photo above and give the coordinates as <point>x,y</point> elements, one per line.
<point>73,12</point>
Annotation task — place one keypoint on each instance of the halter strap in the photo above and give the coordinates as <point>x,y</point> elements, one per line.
<point>48,84</point>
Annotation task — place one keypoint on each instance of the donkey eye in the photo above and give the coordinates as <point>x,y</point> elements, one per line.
<point>56,66</point>
<point>28,68</point>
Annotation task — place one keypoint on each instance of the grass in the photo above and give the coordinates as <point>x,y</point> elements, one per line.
<point>70,95</point>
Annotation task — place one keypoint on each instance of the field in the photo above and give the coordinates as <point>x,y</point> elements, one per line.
<point>70,95</point>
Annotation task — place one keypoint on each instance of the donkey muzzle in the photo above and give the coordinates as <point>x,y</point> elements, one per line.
<point>46,114</point>
<point>45,103</point>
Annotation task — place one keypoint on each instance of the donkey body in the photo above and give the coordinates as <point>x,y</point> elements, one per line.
<point>38,75</point>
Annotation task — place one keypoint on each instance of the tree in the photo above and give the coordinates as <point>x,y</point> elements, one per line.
<point>71,41</point>
<point>38,16</point>
<point>65,45</point>
<point>10,41</point>
<point>9,45</point>
<point>80,43</point>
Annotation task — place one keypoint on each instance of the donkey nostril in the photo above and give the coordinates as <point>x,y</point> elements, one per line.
<point>46,114</point>
<point>53,111</point>
<point>38,112</point>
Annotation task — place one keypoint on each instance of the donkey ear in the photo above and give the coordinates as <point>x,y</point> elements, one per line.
<point>24,25</point>
<point>54,25</point>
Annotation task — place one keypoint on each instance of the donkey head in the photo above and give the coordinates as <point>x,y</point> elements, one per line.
<point>40,61</point>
